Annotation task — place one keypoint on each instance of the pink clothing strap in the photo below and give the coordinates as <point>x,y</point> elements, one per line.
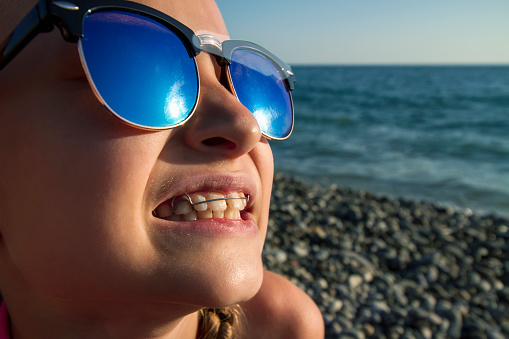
<point>4,322</point>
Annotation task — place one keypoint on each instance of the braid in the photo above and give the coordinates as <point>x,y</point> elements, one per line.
<point>220,323</point>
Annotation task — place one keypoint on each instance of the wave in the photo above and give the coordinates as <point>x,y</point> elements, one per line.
<point>438,132</point>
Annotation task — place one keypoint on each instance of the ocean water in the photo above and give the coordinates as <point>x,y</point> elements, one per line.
<point>430,133</point>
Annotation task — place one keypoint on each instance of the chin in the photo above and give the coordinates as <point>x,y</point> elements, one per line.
<point>226,282</point>
<point>238,287</point>
<point>221,284</point>
<point>206,263</point>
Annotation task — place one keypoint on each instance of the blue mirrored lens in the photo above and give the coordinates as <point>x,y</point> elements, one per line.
<point>139,68</point>
<point>261,89</point>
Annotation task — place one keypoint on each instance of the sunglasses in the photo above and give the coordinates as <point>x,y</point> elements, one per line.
<point>141,63</point>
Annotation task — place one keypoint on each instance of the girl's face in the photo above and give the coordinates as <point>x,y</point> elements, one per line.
<point>78,187</point>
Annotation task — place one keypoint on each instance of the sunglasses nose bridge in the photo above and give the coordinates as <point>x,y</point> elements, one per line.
<point>214,47</point>
<point>209,40</point>
<point>211,45</point>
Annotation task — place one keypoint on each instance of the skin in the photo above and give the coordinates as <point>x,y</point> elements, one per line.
<point>81,254</point>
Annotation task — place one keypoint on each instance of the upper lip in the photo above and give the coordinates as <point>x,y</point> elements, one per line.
<point>222,183</point>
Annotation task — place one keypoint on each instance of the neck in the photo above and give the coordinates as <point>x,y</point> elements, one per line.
<point>103,320</point>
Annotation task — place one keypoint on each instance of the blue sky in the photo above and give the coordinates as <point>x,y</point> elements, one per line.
<point>374,31</point>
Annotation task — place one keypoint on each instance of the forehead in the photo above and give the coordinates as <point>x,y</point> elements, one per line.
<point>199,15</point>
<point>196,14</point>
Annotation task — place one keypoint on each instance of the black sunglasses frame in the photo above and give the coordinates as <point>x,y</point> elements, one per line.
<point>68,17</point>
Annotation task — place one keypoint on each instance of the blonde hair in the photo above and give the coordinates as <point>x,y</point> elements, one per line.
<point>221,323</point>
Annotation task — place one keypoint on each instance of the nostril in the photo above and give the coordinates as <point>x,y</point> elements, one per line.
<point>221,142</point>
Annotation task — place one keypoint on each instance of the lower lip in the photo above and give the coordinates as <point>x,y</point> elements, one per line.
<point>213,227</point>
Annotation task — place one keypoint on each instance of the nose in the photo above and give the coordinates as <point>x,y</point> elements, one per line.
<point>220,124</point>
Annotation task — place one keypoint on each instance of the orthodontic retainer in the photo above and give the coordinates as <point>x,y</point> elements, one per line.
<point>188,199</point>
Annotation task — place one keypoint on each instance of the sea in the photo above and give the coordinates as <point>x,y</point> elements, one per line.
<point>431,133</point>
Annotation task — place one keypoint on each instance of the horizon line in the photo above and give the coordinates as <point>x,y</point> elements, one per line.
<point>402,64</point>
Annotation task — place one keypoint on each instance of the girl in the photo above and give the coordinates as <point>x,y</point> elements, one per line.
<point>108,142</point>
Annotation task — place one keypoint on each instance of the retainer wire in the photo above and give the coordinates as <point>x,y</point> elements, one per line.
<point>188,199</point>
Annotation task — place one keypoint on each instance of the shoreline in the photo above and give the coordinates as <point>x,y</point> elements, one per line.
<point>382,267</point>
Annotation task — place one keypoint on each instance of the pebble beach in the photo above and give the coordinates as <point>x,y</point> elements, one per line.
<point>380,267</point>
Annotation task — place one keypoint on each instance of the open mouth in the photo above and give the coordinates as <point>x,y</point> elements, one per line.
<point>197,206</point>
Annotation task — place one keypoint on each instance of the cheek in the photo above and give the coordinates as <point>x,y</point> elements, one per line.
<point>264,162</point>
<point>267,172</point>
<point>72,192</point>
<point>74,222</point>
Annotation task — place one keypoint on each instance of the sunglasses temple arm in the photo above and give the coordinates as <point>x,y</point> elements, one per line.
<point>35,22</point>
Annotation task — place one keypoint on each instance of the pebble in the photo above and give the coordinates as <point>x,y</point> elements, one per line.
<point>354,281</point>
<point>281,256</point>
<point>336,306</point>
<point>380,267</point>
<point>301,250</point>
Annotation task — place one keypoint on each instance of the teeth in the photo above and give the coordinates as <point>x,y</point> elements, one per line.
<point>217,205</point>
<point>218,214</point>
<point>163,211</point>
<point>199,198</point>
<point>237,204</point>
<point>183,207</point>
<point>244,201</point>
<point>229,213</point>
<point>220,207</point>
<point>190,216</point>
<point>205,214</point>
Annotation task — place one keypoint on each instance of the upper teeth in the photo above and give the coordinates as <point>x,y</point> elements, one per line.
<point>200,206</point>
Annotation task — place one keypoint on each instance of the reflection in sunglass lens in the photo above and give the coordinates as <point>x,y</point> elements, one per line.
<point>139,68</point>
<point>261,89</point>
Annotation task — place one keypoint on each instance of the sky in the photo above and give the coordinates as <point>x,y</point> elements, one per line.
<point>374,31</point>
